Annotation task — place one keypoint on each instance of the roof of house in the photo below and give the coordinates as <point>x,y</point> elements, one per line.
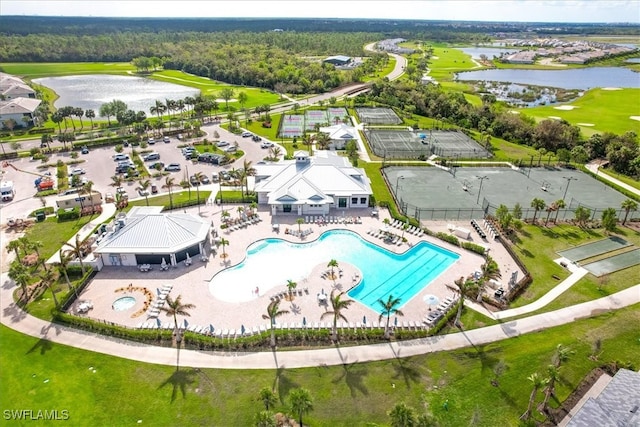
<point>155,233</point>
<point>340,58</point>
<point>19,106</point>
<point>618,405</point>
<point>15,89</point>
<point>311,180</point>
<point>340,132</point>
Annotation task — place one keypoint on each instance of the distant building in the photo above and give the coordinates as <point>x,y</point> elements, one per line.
<point>340,134</point>
<point>17,101</point>
<point>338,60</point>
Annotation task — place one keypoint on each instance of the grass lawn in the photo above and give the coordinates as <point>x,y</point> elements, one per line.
<point>255,96</point>
<point>627,180</point>
<point>53,234</point>
<point>44,375</point>
<point>537,250</point>
<point>178,197</point>
<point>446,61</point>
<point>46,69</point>
<point>607,110</point>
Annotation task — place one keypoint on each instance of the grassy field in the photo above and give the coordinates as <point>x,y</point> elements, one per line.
<point>607,110</point>
<point>255,96</point>
<point>113,391</point>
<point>53,234</point>
<point>446,61</point>
<point>629,181</point>
<point>46,69</point>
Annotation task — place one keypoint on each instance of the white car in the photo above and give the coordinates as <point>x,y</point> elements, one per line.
<point>77,171</point>
<point>266,144</point>
<point>120,157</point>
<point>246,134</point>
<point>222,144</point>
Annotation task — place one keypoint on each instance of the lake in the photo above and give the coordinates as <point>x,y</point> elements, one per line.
<point>490,52</point>
<point>576,78</point>
<point>91,91</point>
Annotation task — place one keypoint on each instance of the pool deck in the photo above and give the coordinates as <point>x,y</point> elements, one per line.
<point>192,282</point>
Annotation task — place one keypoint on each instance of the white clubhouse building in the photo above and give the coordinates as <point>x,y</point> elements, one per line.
<point>312,185</point>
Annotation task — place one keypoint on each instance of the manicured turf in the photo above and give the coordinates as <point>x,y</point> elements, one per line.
<point>607,110</point>
<point>42,69</point>
<point>53,234</point>
<point>43,375</point>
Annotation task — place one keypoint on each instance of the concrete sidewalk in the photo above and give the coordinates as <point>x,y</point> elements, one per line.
<point>14,318</point>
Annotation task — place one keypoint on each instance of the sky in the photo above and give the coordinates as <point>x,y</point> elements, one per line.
<point>461,10</point>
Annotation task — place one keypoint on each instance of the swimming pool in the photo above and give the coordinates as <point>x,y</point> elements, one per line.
<point>271,262</point>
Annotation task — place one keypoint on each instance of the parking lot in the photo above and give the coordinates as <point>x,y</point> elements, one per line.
<point>100,167</point>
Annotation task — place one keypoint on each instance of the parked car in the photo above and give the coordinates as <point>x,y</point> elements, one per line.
<point>231,149</point>
<point>246,134</point>
<point>142,193</point>
<point>77,171</point>
<point>85,150</point>
<point>128,163</point>
<point>204,180</point>
<point>193,180</point>
<point>151,141</point>
<point>256,138</point>
<point>180,137</point>
<point>120,157</point>
<point>156,165</point>
<point>154,188</point>
<point>172,167</point>
<point>151,156</point>
<point>266,144</point>
<point>166,140</point>
<point>108,197</point>
<point>222,143</point>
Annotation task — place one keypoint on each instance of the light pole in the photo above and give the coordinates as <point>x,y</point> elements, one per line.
<point>569,179</point>
<point>397,183</point>
<point>481,178</point>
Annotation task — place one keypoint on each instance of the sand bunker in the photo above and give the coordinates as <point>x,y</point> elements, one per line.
<point>611,88</point>
<point>635,118</point>
<point>565,107</point>
<point>555,117</point>
<point>586,124</point>
<point>435,57</point>
<point>219,100</point>
<point>514,112</point>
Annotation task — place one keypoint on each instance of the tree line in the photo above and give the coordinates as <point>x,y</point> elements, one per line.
<point>494,119</point>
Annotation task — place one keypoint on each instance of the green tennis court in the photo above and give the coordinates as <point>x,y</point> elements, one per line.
<point>590,250</point>
<point>614,263</point>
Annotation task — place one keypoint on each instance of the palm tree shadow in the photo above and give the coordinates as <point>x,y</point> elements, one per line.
<point>179,381</point>
<point>283,384</point>
<point>353,374</point>
<point>43,344</point>
<point>407,370</point>
<point>487,360</point>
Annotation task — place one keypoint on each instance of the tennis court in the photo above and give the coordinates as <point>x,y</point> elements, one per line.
<point>406,144</point>
<point>335,115</point>
<point>315,117</point>
<point>378,116</point>
<point>590,250</point>
<point>291,125</point>
<point>614,263</point>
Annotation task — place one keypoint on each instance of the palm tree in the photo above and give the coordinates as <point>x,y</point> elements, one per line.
<point>87,188</point>
<point>537,382</point>
<point>628,206</point>
<point>337,305</point>
<point>76,251</point>
<point>14,245</point>
<point>144,186</point>
<point>301,402</point>
<point>560,204</point>
<point>538,205</point>
<point>490,269</point>
<point>199,176</point>
<point>158,109</point>
<point>169,183</point>
<point>174,307</point>
<point>268,398</point>
<point>291,285</point>
<point>561,355</point>
<point>300,221</point>
<point>20,274</point>
<point>273,312</point>
<point>116,181</point>
<point>402,415</point>
<point>553,374</point>
<point>247,171</point>
<point>90,114</point>
<point>333,264</point>
<point>48,278</point>
<point>265,419</point>
<point>63,266</point>
<point>225,215</point>
<point>389,307</point>
<point>240,210</point>
<point>35,246</point>
<point>223,242</point>
<point>551,208</point>
<point>464,286</point>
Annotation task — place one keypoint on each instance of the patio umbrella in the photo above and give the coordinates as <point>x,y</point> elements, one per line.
<point>158,322</point>
<point>364,319</point>
<point>186,324</point>
<point>395,321</point>
<point>304,321</point>
<point>188,257</point>
<point>242,329</point>
<point>158,291</point>
<point>430,299</point>
<point>211,328</point>
<point>163,264</point>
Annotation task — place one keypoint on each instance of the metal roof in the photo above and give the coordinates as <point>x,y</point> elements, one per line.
<point>155,233</point>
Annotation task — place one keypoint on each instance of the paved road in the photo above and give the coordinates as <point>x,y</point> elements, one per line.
<point>593,167</point>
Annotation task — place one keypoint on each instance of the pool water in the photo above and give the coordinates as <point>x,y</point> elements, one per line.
<point>124,303</point>
<point>271,262</point>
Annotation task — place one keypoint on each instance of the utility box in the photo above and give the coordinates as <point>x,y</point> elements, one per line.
<point>40,216</point>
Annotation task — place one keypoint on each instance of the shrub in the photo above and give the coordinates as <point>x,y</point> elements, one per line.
<point>266,124</point>
<point>68,214</point>
<point>448,238</point>
<point>473,247</point>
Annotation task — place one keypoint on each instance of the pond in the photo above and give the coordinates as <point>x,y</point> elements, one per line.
<point>489,52</point>
<point>576,78</point>
<point>633,60</point>
<point>91,91</point>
